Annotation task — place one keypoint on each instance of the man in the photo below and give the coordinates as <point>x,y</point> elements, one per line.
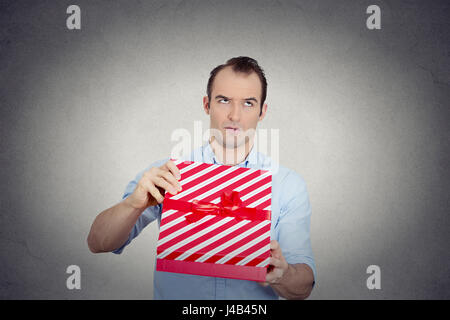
<point>235,102</point>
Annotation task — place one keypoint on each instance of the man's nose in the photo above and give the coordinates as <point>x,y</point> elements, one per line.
<point>235,112</point>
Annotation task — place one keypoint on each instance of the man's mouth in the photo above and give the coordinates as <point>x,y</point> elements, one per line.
<point>232,130</point>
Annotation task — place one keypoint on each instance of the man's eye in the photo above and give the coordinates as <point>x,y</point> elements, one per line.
<point>248,104</point>
<point>223,100</point>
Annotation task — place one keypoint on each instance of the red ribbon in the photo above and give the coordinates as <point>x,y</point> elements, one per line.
<point>230,205</point>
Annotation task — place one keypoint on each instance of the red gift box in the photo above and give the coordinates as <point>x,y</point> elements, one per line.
<point>219,224</point>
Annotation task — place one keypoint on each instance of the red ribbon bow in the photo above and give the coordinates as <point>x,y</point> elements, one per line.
<point>230,205</point>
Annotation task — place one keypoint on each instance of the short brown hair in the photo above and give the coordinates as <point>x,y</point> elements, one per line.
<point>241,64</point>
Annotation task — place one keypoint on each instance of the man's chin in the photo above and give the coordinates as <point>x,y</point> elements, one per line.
<point>233,143</point>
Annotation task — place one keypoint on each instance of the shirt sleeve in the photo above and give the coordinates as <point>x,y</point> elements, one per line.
<point>150,214</point>
<point>293,228</point>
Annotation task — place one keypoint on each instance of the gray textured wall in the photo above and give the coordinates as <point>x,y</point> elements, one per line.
<point>363,117</point>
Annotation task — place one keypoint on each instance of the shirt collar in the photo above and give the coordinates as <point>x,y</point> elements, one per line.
<point>210,156</point>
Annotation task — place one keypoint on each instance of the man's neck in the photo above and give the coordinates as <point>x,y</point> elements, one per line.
<point>231,156</point>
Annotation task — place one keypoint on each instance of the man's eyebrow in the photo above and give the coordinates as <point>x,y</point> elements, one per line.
<point>221,97</point>
<point>246,99</point>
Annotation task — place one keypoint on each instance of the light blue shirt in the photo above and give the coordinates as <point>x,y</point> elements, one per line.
<point>291,214</point>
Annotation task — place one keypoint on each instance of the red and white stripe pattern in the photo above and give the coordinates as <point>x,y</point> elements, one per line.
<point>217,239</point>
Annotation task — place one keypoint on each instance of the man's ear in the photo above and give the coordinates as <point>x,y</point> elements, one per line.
<point>206,104</point>
<point>263,112</point>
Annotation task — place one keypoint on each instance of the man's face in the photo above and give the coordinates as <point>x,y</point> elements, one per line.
<point>234,107</point>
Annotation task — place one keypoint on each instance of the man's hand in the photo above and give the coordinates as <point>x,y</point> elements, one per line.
<point>277,264</point>
<point>153,185</point>
<point>290,281</point>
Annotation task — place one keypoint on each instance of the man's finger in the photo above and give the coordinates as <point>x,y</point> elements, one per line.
<point>153,190</point>
<point>272,277</point>
<point>275,249</point>
<point>277,263</point>
<point>161,182</point>
<point>274,245</point>
<point>263,283</point>
<point>174,169</point>
<point>168,176</point>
